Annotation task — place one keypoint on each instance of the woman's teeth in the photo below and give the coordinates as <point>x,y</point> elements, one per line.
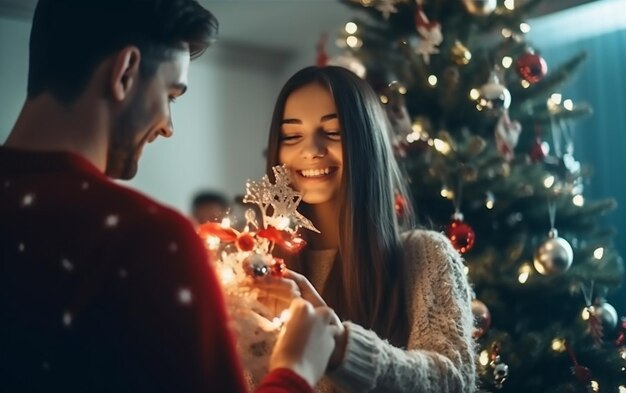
<point>315,172</point>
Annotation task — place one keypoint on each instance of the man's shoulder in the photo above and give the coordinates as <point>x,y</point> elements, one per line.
<point>142,210</point>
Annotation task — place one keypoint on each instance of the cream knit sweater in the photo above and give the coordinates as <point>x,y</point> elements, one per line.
<point>439,357</point>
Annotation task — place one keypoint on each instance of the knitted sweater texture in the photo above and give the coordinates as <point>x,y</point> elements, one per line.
<point>440,354</point>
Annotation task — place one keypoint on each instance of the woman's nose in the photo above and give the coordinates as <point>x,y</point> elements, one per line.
<point>314,148</point>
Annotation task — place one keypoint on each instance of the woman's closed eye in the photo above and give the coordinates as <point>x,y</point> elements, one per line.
<point>334,135</point>
<point>291,138</point>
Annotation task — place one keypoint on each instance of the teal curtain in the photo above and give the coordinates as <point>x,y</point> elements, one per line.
<point>600,140</point>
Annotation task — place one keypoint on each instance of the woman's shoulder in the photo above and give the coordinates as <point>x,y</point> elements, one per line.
<point>429,239</point>
<point>423,246</point>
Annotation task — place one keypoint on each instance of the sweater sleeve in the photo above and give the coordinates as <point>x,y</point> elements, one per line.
<point>283,380</point>
<point>440,354</point>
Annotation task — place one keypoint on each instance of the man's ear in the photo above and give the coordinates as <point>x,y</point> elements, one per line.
<point>124,72</point>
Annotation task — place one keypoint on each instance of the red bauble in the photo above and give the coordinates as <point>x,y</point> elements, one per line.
<point>582,374</point>
<point>461,235</point>
<point>482,318</point>
<point>536,151</point>
<point>531,67</point>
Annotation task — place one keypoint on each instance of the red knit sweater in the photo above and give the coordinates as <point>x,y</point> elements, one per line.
<point>104,290</point>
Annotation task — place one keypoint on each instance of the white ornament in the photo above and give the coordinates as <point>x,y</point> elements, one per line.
<point>507,134</point>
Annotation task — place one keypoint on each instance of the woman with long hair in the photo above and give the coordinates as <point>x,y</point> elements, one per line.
<point>402,294</point>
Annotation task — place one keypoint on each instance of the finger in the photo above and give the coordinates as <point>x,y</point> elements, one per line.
<point>335,330</point>
<point>286,289</point>
<point>325,313</point>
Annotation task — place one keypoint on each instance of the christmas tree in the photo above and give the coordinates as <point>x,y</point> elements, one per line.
<point>486,142</point>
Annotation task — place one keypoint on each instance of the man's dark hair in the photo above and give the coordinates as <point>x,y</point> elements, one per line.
<point>69,38</point>
<point>206,197</point>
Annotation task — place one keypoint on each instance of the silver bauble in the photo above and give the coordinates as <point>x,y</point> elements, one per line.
<point>493,96</point>
<point>607,314</point>
<point>480,7</point>
<point>554,255</point>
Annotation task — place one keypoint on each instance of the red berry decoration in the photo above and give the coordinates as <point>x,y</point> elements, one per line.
<point>461,235</point>
<point>531,67</point>
<point>277,269</point>
<point>245,242</point>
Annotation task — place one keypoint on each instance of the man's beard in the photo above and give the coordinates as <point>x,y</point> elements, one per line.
<point>123,153</point>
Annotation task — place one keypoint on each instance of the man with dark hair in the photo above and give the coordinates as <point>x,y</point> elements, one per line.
<point>103,289</point>
<point>209,206</point>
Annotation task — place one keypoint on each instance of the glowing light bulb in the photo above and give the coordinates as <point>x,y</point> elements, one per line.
<point>548,181</point>
<point>484,358</point>
<point>578,200</point>
<point>598,253</point>
<point>351,28</point>
<point>524,27</point>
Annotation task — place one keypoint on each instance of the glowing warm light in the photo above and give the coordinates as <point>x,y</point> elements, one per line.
<point>548,181</point>
<point>598,253</point>
<point>506,33</point>
<point>442,147</point>
<point>282,223</point>
<point>524,27</point>
<point>226,222</point>
<point>384,99</point>
<point>586,313</point>
<point>621,388</point>
<point>490,200</point>
<point>509,4</point>
<point>558,345</point>
<point>507,61</point>
<point>351,28</point>
<point>524,272</point>
<point>484,358</point>
<point>285,315</point>
<point>213,242</point>
<point>353,41</point>
<point>595,386</point>
<point>556,98</point>
<point>466,270</point>
<point>578,200</point>
<point>525,84</point>
<point>446,192</point>
<point>568,104</point>
<point>227,275</point>
<point>402,90</point>
<point>474,94</point>
<point>432,80</point>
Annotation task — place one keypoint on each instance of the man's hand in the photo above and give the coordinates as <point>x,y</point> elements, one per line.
<point>306,342</point>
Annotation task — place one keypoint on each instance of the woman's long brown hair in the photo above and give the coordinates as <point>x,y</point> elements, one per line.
<point>372,289</point>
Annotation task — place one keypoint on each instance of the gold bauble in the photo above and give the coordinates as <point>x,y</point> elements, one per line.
<point>460,54</point>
